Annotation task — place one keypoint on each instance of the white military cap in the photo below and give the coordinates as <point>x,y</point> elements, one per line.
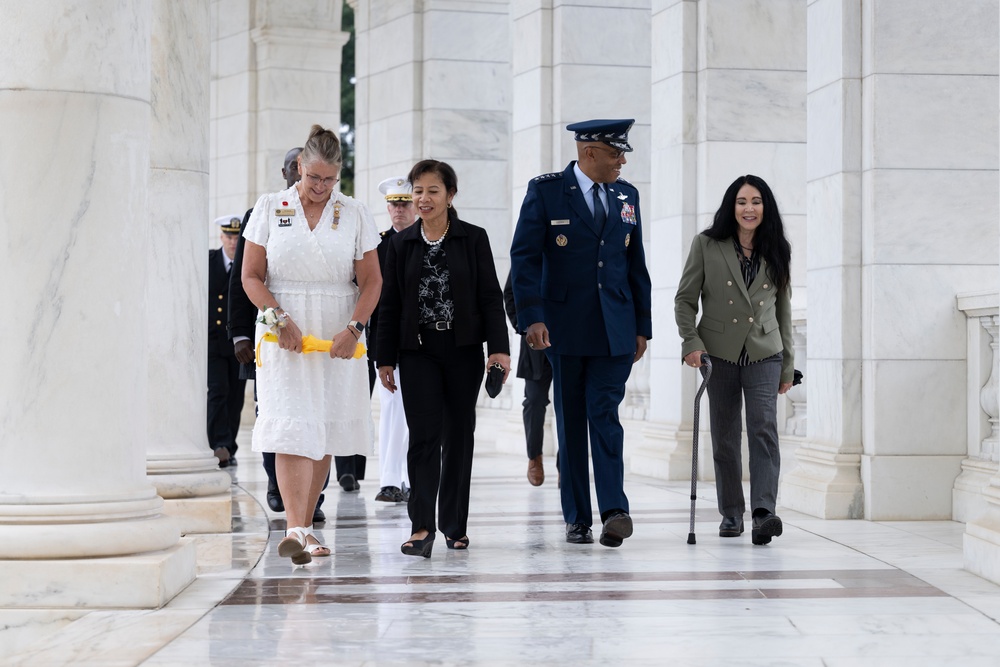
<point>396,189</point>
<point>230,224</point>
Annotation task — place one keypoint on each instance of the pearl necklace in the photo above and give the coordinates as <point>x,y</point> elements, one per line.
<point>434,243</point>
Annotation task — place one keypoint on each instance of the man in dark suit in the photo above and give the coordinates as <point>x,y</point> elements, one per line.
<point>242,319</point>
<point>393,434</point>
<point>225,387</point>
<point>583,294</point>
<point>534,368</point>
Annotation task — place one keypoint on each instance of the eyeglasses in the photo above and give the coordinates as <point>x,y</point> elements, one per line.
<point>615,153</point>
<point>329,182</point>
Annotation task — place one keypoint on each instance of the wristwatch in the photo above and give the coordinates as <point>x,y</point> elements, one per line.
<point>357,326</point>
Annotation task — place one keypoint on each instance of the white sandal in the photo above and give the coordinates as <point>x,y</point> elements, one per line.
<point>313,548</point>
<point>294,546</point>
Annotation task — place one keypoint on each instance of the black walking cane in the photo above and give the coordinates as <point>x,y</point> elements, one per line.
<point>706,371</point>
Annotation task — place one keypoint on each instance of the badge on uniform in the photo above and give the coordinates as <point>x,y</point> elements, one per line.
<point>559,222</point>
<point>561,240</point>
<point>284,215</point>
<point>628,214</point>
<point>336,215</point>
<point>628,237</point>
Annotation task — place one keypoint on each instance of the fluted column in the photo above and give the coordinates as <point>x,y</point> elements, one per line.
<point>75,504</point>
<point>178,460</point>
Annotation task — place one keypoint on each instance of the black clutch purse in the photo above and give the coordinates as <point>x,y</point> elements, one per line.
<point>797,378</point>
<point>494,380</point>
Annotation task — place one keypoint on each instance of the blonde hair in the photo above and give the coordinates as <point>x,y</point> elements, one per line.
<point>322,145</point>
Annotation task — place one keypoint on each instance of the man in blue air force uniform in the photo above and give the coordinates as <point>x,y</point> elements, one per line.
<point>582,293</point>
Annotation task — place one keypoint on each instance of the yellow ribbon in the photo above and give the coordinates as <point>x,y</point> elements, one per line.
<point>309,344</point>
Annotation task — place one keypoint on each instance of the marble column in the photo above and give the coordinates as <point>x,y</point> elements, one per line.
<point>567,67</point>
<point>80,525</point>
<point>387,136</point>
<point>433,81</point>
<point>275,71</point>
<point>178,460</point>
<point>913,388</point>
<point>826,480</point>
<point>720,110</point>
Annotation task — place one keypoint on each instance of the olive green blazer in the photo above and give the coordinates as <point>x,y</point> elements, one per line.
<point>732,315</point>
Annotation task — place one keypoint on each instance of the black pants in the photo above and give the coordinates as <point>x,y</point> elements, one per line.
<point>439,400</point>
<point>225,401</point>
<point>536,398</point>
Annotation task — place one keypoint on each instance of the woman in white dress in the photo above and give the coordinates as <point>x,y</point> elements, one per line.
<point>305,246</point>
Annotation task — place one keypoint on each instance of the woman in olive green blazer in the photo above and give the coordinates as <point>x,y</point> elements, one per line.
<point>738,269</point>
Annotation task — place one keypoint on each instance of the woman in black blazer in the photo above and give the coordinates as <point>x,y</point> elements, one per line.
<point>440,301</point>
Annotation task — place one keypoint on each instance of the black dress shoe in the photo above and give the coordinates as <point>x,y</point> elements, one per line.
<point>222,454</point>
<point>232,459</point>
<point>274,499</point>
<point>578,533</point>
<point>617,527</point>
<point>388,494</point>
<point>731,526</point>
<point>765,526</point>
<point>349,483</point>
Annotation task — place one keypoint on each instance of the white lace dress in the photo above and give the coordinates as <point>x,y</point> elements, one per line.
<point>309,404</point>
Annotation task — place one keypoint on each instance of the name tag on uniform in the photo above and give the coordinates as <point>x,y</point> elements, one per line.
<point>284,212</point>
<point>558,222</point>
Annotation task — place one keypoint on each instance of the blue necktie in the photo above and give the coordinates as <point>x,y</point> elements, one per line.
<point>600,215</point>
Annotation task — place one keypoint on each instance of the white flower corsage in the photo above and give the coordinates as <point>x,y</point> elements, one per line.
<point>273,319</point>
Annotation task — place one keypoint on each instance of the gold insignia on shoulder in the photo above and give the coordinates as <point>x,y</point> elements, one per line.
<point>561,240</point>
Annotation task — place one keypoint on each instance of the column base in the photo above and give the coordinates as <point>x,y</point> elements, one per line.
<point>909,488</point>
<point>187,483</point>
<point>208,514</point>
<point>824,484</point>
<point>663,451</point>
<point>144,581</point>
<point>967,497</point>
<point>981,545</point>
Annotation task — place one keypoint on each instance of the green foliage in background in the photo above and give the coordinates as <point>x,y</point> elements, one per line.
<point>347,104</point>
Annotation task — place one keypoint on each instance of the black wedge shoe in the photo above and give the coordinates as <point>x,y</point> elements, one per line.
<point>459,543</point>
<point>419,547</point>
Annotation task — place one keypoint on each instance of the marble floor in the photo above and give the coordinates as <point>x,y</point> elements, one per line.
<point>825,593</point>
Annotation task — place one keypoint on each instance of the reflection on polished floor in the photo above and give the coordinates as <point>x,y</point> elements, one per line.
<point>824,593</point>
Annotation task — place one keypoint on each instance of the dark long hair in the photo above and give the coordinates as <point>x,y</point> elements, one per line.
<point>769,239</point>
<point>444,172</point>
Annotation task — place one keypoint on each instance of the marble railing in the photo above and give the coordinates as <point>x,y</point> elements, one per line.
<point>982,311</point>
<point>795,419</point>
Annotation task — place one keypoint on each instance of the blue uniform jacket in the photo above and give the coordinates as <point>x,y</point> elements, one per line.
<point>590,288</point>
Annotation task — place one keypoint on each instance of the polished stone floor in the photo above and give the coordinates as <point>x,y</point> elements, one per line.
<point>825,593</point>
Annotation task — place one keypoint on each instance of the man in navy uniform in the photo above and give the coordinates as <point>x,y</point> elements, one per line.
<point>582,293</point>
<point>225,387</point>
<point>393,434</point>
